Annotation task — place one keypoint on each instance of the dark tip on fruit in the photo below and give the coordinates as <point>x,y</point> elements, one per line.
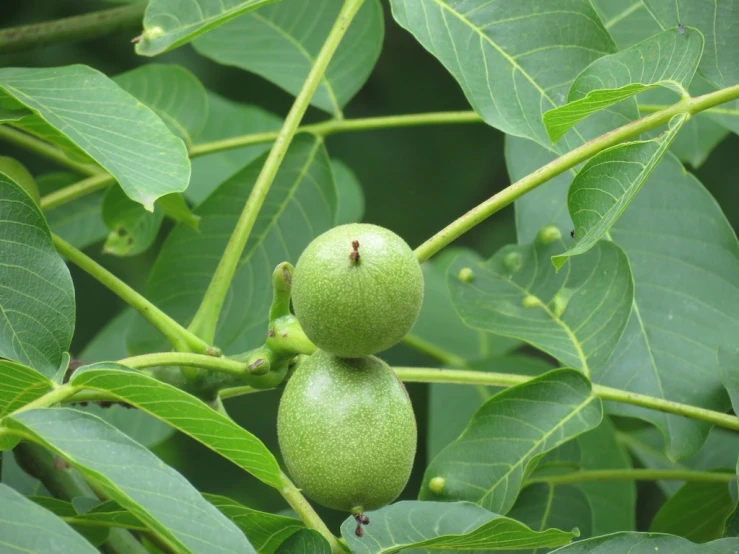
<point>354,256</point>
<point>271,333</point>
<point>355,245</point>
<point>361,519</point>
<point>359,531</point>
<point>286,275</point>
<point>365,520</point>
<point>254,365</point>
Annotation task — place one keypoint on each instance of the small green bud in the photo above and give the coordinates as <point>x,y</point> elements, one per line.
<point>513,261</point>
<point>154,32</point>
<point>465,275</point>
<point>437,484</point>
<point>531,301</point>
<point>549,234</point>
<point>560,301</point>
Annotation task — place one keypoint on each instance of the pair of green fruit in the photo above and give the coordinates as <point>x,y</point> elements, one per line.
<point>346,426</point>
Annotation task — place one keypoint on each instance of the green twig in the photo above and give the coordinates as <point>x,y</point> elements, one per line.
<point>635,475</point>
<point>76,190</point>
<point>187,359</point>
<point>468,377</point>
<point>44,149</point>
<point>508,195</point>
<point>205,320</point>
<point>651,108</point>
<point>307,514</point>
<point>181,338</point>
<point>80,27</point>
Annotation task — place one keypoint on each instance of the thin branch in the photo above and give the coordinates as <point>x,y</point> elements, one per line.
<point>206,318</point>
<point>636,475</point>
<point>181,338</point>
<point>76,190</point>
<point>222,365</point>
<point>80,27</point>
<point>508,195</point>
<point>44,149</point>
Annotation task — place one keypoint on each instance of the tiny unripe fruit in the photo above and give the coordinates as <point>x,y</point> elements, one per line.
<point>437,484</point>
<point>466,275</point>
<point>347,432</point>
<point>531,301</point>
<point>549,234</point>
<point>357,290</point>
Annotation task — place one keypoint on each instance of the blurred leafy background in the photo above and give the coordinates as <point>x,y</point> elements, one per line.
<point>415,181</point>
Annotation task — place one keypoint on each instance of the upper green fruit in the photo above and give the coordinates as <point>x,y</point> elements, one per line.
<point>357,290</point>
<point>347,432</point>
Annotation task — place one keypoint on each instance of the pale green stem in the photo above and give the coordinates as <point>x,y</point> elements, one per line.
<point>307,514</point>
<point>651,108</point>
<point>468,377</point>
<point>205,320</point>
<point>446,358</point>
<point>54,396</point>
<point>44,149</point>
<point>508,195</point>
<point>79,27</point>
<point>222,365</point>
<point>76,190</point>
<point>335,126</point>
<point>181,338</point>
<point>635,475</point>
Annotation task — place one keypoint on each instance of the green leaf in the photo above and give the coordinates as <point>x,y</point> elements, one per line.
<point>305,541</point>
<point>173,93</point>
<point>439,326</point>
<point>717,21</point>
<point>168,504</point>
<point>647,543</point>
<point>120,133</point>
<point>445,424</point>
<point>265,531</point>
<point>17,172</point>
<point>37,308</point>
<point>684,257</point>
<point>697,512</point>
<point>576,315</point>
<point>133,229</point>
<point>668,60</point>
<point>627,22</point>
<point>513,61</point>
<point>170,23</point>
<point>300,205</point>
<point>20,385</point>
<point>728,359</point>
<point>175,206</point>
<point>282,41</point>
<point>227,119</point>
<point>448,526</point>
<point>185,413</point>
<point>349,194</point>
<point>488,463</point>
<point>607,184</point>
<point>27,527</point>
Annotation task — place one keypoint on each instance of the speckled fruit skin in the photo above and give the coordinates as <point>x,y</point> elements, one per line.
<point>347,431</point>
<point>357,308</point>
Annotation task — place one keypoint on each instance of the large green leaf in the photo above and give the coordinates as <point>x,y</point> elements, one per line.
<point>171,23</point>
<point>26,527</point>
<point>451,527</point>
<point>173,93</point>
<point>283,40</point>
<point>350,196</point>
<point>668,60</point>
<point>513,60</point>
<point>265,531</point>
<point>120,133</point>
<point>78,222</point>
<point>134,477</point>
<point>300,205</point>
<point>607,184</point>
<point>717,21</point>
<point>37,307</point>
<point>305,541</point>
<point>698,512</point>
<point>185,413</point>
<point>20,385</point>
<point>576,315</point>
<point>488,463</point>
<point>648,543</point>
<point>227,119</point>
<point>684,257</point>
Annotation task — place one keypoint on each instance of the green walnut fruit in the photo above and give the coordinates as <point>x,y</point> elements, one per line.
<point>357,290</point>
<point>347,431</point>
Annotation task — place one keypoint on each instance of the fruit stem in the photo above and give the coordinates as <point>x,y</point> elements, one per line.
<point>206,318</point>
<point>507,196</point>
<point>307,514</point>
<point>484,378</point>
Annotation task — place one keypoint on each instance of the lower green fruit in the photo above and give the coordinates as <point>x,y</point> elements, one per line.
<point>347,432</point>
